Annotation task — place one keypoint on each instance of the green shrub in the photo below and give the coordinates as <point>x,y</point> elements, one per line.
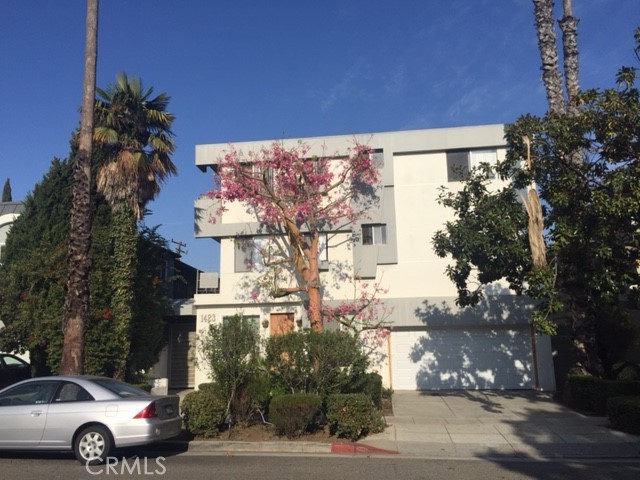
<point>624,413</point>
<point>251,399</point>
<point>353,415</point>
<point>317,362</point>
<point>628,371</point>
<point>370,384</point>
<point>207,386</point>
<point>231,351</point>
<point>580,391</point>
<point>293,414</point>
<point>203,411</point>
<point>590,394</point>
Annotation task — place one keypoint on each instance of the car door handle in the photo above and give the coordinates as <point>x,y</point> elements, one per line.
<point>36,413</point>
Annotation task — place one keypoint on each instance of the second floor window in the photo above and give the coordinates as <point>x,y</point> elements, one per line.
<point>374,234</point>
<point>460,162</point>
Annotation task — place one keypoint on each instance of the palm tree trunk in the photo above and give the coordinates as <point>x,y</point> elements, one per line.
<point>569,26</point>
<point>543,10</point>
<point>77,296</point>
<point>583,320</point>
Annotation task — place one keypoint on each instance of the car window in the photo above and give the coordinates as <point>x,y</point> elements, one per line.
<point>121,389</point>
<point>71,392</point>
<point>12,362</point>
<point>32,393</point>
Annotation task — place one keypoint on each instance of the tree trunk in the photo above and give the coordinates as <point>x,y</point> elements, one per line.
<point>313,284</point>
<point>584,341</point>
<point>543,10</point>
<point>123,277</point>
<point>76,302</point>
<point>569,26</point>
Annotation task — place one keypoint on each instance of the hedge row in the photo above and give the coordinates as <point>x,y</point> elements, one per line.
<point>590,394</point>
<point>624,413</point>
<point>348,415</point>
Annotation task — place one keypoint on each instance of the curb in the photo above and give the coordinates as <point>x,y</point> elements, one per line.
<point>360,448</point>
<point>278,447</point>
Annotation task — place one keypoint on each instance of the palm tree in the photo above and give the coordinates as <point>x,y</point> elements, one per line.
<point>563,100</point>
<point>551,77</point>
<point>133,132</point>
<point>77,297</point>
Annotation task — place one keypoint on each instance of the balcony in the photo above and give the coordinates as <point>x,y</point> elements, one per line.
<point>208,282</point>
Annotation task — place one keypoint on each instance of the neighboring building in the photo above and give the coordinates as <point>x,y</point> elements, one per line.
<point>433,344</point>
<point>176,363</point>
<point>9,211</point>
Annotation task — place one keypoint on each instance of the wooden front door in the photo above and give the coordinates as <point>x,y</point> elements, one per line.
<point>280,323</point>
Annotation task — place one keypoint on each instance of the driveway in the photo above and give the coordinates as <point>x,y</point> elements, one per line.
<point>520,424</point>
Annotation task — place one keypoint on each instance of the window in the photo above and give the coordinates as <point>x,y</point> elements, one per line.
<point>460,162</point>
<point>457,166</point>
<point>121,389</point>
<point>252,320</point>
<point>255,253</point>
<point>478,157</point>
<point>374,234</point>
<point>323,248</point>
<point>71,392</point>
<point>250,254</point>
<point>32,393</point>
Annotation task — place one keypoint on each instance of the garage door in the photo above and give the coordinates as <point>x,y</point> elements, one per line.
<point>461,359</point>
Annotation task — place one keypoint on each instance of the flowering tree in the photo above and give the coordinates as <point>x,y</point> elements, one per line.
<point>296,197</point>
<point>364,315</point>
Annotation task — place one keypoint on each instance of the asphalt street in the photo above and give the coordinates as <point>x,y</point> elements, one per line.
<point>189,466</point>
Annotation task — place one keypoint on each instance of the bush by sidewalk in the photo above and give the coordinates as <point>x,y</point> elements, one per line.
<point>353,415</point>
<point>624,413</point>
<point>203,411</point>
<point>293,414</point>
<point>590,394</point>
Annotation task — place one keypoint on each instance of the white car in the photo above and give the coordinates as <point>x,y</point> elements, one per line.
<point>89,415</point>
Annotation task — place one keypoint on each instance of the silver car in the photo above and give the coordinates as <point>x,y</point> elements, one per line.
<point>89,415</point>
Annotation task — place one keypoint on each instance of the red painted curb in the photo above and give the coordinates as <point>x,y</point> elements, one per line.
<point>358,448</point>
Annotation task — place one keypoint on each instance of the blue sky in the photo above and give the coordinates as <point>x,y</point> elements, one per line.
<point>263,69</point>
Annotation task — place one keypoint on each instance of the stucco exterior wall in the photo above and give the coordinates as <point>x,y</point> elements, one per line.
<point>413,167</point>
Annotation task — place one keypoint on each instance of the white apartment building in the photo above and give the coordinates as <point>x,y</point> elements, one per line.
<point>433,344</point>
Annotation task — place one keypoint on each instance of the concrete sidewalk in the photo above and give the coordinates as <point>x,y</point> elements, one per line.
<point>518,424</point>
<point>465,424</point>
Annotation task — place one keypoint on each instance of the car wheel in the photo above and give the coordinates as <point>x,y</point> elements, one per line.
<point>93,445</point>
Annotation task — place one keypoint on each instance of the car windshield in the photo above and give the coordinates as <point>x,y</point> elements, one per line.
<point>121,389</point>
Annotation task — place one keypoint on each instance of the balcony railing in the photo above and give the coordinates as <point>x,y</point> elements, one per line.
<point>208,282</point>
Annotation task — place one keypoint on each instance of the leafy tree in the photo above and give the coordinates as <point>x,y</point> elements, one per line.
<point>133,133</point>
<point>230,350</point>
<point>296,196</point>
<point>34,269</point>
<point>6,191</point>
<point>591,212</point>
<point>32,282</point>
<point>77,291</point>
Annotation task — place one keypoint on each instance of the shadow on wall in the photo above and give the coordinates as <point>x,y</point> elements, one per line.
<point>488,346</point>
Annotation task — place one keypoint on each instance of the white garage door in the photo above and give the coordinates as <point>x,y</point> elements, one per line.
<point>461,359</point>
